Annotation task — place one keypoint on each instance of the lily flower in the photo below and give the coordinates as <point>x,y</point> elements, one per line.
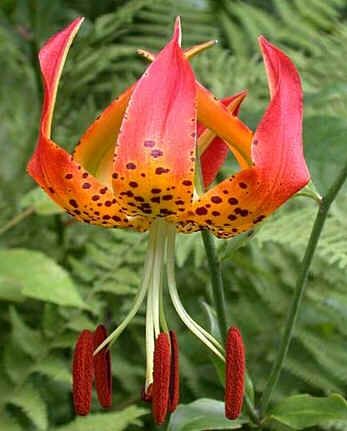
<point>138,167</point>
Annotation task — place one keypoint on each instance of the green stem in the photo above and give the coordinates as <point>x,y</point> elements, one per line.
<point>16,219</point>
<point>300,286</point>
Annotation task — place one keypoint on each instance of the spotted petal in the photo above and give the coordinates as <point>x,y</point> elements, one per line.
<point>65,180</point>
<point>242,201</point>
<point>155,153</point>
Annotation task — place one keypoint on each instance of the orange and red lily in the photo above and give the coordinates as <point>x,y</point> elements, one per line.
<point>138,166</point>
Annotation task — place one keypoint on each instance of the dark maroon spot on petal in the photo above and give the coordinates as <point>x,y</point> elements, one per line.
<point>95,198</point>
<point>233,201</point>
<point>167,197</point>
<point>130,166</point>
<point>73,203</point>
<point>115,175</point>
<point>108,203</point>
<point>234,229</point>
<point>156,199</point>
<point>86,185</point>
<point>187,183</point>
<point>139,199</point>
<point>97,213</point>
<point>156,153</point>
<point>244,213</point>
<point>216,199</point>
<point>258,219</point>
<point>106,217</point>
<point>232,217</point>
<point>78,212</point>
<point>215,213</point>
<point>243,185</point>
<point>116,218</point>
<point>103,190</point>
<point>85,175</point>
<point>142,175</point>
<point>225,192</point>
<point>133,184</point>
<point>161,170</point>
<point>68,176</point>
<point>51,189</point>
<point>179,202</point>
<point>255,142</point>
<point>149,144</point>
<point>155,191</point>
<point>201,211</point>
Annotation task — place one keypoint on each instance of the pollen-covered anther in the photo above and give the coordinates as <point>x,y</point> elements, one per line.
<point>234,373</point>
<point>102,369</point>
<point>174,388</point>
<point>161,378</point>
<point>82,373</point>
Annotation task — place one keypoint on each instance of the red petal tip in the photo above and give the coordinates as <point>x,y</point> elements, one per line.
<point>234,374</point>
<point>82,373</point>
<point>177,33</point>
<point>102,369</point>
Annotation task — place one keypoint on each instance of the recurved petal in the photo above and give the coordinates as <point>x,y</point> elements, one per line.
<point>65,181</point>
<point>214,116</point>
<point>242,201</point>
<point>277,149</point>
<point>213,149</point>
<point>155,154</point>
<point>78,192</point>
<point>228,209</point>
<point>96,147</point>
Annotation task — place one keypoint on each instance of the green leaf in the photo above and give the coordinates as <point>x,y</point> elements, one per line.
<point>39,277</point>
<point>202,415</point>
<point>10,290</point>
<point>116,421</point>
<point>24,337</point>
<point>9,424</point>
<point>54,368</point>
<point>30,401</point>
<point>40,202</point>
<point>302,411</point>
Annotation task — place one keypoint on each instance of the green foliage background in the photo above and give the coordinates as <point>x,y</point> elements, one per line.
<point>58,277</point>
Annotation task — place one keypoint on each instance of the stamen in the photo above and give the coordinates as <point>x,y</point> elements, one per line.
<point>82,373</point>
<point>234,374</point>
<point>146,394</point>
<point>161,378</point>
<point>102,369</point>
<point>174,389</point>
<point>194,327</point>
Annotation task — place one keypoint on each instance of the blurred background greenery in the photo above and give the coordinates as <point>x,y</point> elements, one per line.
<point>58,277</point>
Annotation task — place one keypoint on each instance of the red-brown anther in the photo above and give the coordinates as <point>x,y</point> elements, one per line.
<point>234,373</point>
<point>102,369</point>
<point>161,378</point>
<point>82,373</point>
<point>174,388</point>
